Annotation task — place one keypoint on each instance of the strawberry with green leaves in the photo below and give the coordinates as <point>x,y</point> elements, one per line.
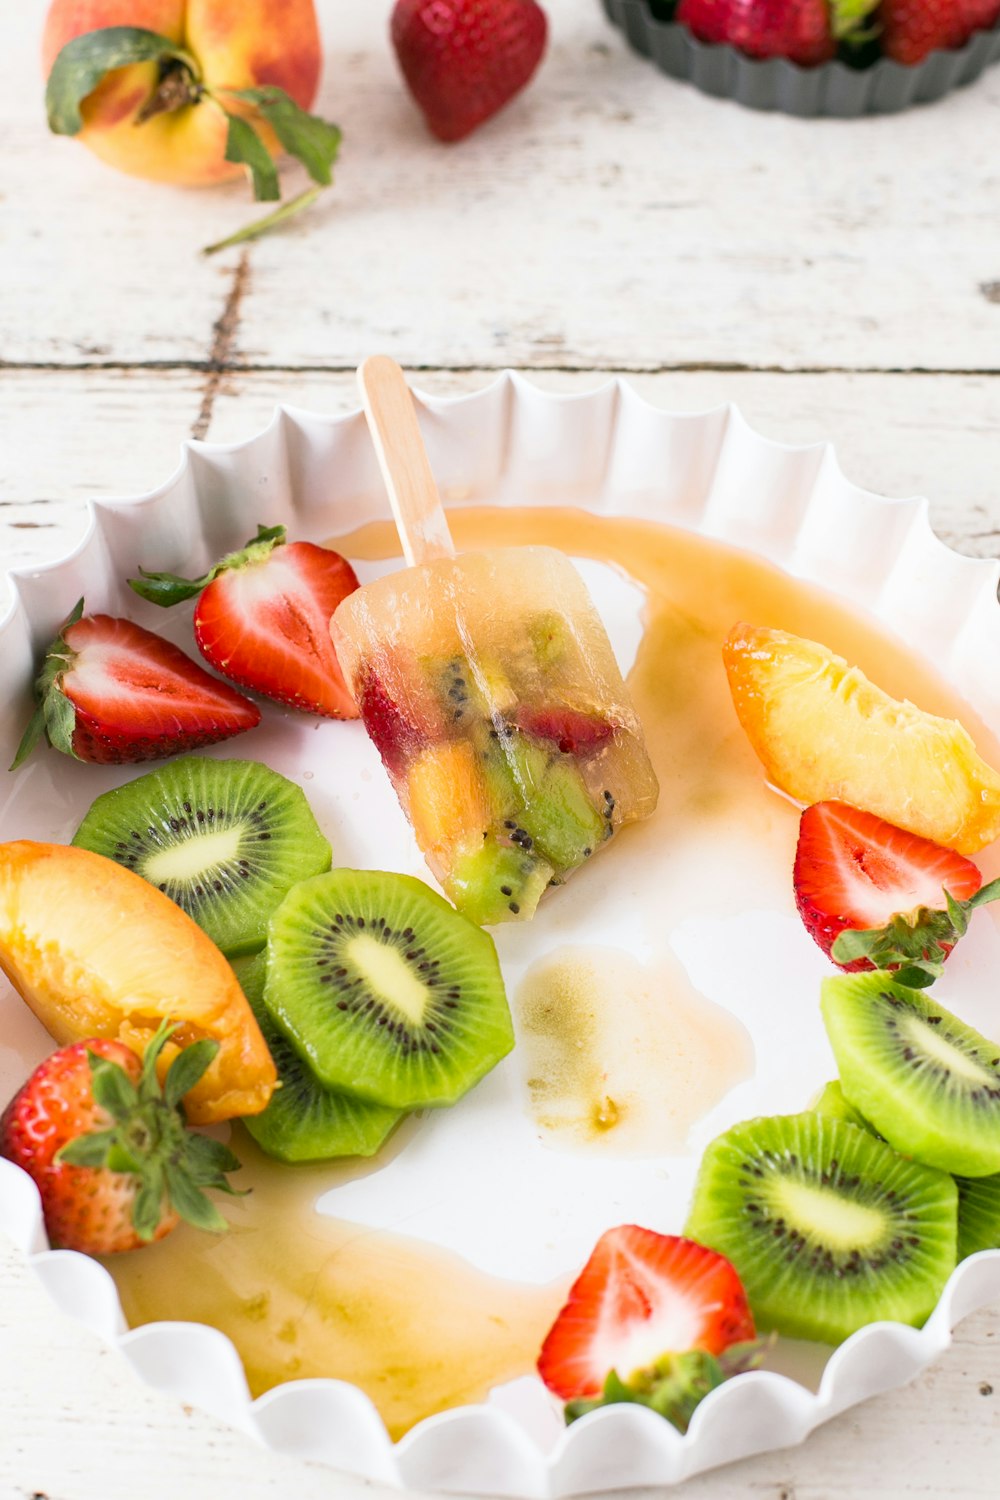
<point>263,619</point>
<point>108,1147</point>
<point>652,1319</point>
<point>876,897</point>
<point>807,32</point>
<point>110,692</point>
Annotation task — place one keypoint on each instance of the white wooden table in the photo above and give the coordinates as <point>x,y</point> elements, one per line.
<point>837,280</point>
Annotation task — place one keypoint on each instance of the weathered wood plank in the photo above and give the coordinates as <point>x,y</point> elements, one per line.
<point>610,217</point>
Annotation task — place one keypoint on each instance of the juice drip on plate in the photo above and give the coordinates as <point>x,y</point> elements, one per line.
<point>622,1058</point>
<point>303,1295</point>
<point>420,1330</point>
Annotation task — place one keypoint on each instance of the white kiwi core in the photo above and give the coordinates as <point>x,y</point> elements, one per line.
<point>940,1050</point>
<point>193,857</point>
<point>389,975</point>
<point>839,1221</point>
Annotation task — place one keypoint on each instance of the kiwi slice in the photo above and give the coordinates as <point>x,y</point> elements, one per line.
<point>385,989</point>
<point>225,839</point>
<point>978,1214</point>
<point>494,882</point>
<point>541,802</point>
<point>828,1228</point>
<point>469,697</point>
<point>927,1082</point>
<point>305,1121</point>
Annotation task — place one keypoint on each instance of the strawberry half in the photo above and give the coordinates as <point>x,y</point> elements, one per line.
<point>647,1320</point>
<point>110,692</point>
<point>876,897</point>
<point>263,619</point>
<point>463,60</point>
<point>574,730</point>
<point>396,738</point>
<point>108,1148</point>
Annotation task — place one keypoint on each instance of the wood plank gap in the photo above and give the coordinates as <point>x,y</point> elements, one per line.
<point>224,335</point>
<point>223,366</point>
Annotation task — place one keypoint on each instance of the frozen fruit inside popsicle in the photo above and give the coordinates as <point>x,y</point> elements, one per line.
<point>488,685</point>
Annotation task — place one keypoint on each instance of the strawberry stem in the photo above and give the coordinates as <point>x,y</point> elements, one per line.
<point>914,944</point>
<point>167,589</point>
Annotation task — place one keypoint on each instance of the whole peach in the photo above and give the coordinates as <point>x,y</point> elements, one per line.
<point>237,44</point>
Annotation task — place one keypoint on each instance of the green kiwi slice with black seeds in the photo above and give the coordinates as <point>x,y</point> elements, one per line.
<point>385,989</point>
<point>828,1228</point>
<point>492,882</point>
<point>224,839</point>
<point>978,1197</point>
<point>305,1121</point>
<point>927,1082</point>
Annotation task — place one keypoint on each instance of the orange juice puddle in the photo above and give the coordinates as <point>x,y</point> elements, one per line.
<point>418,1329</point>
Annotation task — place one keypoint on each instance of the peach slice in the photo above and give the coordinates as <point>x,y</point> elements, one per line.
<point>825,733</point>
<point>447,797</point>
<point>97,951</point>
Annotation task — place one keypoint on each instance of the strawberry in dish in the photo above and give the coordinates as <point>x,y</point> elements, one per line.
<point>108,1147</point>
<point>652,1319</point>
<point>111,692</point>
<point>263,619</point>
<point>877,897</point>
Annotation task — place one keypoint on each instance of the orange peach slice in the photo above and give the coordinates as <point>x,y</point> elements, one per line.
<point>825,733</point>
<point>97,951</point>
<point>447,797</point>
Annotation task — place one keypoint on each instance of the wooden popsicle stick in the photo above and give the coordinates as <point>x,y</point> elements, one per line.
<point>402,458</point>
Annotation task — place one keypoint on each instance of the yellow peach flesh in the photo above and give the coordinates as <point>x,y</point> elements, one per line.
<point>95,950</point>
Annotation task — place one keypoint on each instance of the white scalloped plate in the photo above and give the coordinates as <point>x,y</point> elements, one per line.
<point>610,452</point>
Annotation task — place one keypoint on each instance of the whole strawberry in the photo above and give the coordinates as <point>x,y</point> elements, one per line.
<point>806,32</point>
<point>111,692</point>
<point>109,1149</point>
<point>263,619</point>
<point>911,29</point>
<point>465,59</point>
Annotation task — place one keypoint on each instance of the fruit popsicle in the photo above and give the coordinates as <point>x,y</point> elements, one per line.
<point>488,685</point>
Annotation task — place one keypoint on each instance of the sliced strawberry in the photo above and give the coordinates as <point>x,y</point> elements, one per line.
<point>900,901</point>
<point>641,1298</point>
<point>111,692</point>
<point>574,730</point>
<point>263,619</point>
<point>393,733</point>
